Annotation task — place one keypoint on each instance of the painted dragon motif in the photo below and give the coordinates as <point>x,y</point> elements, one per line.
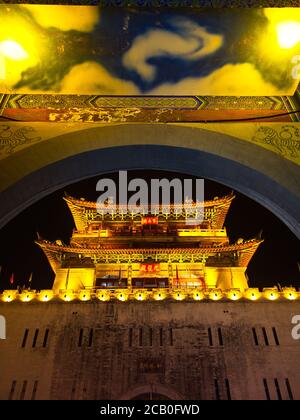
<point>285,141</point>
<point>11,138</point>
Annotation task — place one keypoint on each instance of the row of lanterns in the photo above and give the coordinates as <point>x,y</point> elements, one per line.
<point>160,294</point>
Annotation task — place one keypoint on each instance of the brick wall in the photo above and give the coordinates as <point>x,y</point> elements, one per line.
<point>184,350</point>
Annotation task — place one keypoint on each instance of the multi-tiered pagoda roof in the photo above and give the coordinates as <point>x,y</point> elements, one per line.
<point>215,211</point>
<point>149,235</point>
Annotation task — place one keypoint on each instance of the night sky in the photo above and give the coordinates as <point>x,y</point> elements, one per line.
<point>275,261</point>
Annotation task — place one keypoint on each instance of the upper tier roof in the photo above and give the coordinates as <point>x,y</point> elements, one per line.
<point>84,211</point>
<point>244,251</point>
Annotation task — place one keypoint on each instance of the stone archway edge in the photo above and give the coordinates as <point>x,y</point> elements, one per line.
<point>36,171</point>
<point>39,144</point>
<point>283,139</point>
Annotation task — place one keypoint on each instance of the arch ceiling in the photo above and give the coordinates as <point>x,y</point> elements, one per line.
<point>140,51</point>
<point>183,89</point>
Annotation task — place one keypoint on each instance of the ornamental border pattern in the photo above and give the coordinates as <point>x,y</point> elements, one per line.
<point>47,101</point>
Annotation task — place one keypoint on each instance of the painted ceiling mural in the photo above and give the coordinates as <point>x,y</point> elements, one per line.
<point>149,51</point>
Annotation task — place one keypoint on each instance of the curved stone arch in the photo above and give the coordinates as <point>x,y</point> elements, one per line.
<point>163,390</point>
<point>42,168</point>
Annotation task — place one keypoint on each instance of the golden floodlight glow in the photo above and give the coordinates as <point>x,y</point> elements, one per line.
<point>13,50</point>
<point>290,293</point>
<point>140,296</point>
<point>45,295</point>
<point>67,295</point>
<point>279,42</point>
<point>26,296</point>
<point>22,46</point>
<point>234,294</point>
<point>198,295</point>
<point>215,295</point>
<point>288,34</point>
<point>252,294</point>
<point>271,294</point>
<point>9,295</point>
<point>84,295</point>
<point>179,295</point>
<point>159,296</point>
<point>291,296</point>
<point>103,295</point>
<point>122,296</point>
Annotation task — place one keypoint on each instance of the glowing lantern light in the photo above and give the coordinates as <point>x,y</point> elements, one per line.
<point>27,296</point>
<point>159,295</point>
<point>13,50</point>
<point>67,295</point>
<point>140,296</point>
<point>122,296</point>
<point>234,294</point>
<point>179,295</point>
<point>271,294</point>
<point>84,295</point>
<point>8,295</point>
<point>198,295</point>
<point>288,34</point>
<point>290,293</point>
<point>103,295</point>
<point>215,294</point>
<point>10,50</point>
<point>252,294</point>
<point>45,295</point>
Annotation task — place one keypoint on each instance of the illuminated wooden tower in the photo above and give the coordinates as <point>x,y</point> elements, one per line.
<point>149,250</point>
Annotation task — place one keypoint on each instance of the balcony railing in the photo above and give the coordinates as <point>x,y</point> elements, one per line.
<point>202,232</point>
<point>106,233</point>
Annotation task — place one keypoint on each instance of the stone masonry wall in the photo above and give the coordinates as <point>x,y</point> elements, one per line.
<point>182,350</point>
